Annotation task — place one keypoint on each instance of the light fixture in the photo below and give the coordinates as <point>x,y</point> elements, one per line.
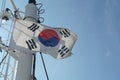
<point>5,18</point>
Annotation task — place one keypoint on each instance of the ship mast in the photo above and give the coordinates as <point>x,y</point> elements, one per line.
<point>22,41</point>
<point>23,69</point>
<point>23,61</point>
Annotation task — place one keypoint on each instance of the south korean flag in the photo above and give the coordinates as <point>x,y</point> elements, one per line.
<point>57,42</point>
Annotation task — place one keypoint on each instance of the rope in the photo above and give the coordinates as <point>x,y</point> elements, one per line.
<point>34,63</point>
<point>3,64</point>
<point>44,66</point>
<point>3,59</point>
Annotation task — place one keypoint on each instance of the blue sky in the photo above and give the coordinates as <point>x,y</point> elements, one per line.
<point>96,54</point>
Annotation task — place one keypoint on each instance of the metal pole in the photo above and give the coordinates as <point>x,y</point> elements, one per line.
<point>13,4</point>
<point>7,68</point>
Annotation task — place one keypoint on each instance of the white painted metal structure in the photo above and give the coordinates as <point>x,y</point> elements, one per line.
<point>24,61</point>
<point>23,66</point>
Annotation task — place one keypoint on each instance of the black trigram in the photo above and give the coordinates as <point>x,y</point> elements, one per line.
<point>31,44</point>
<point>33,27</point>
<point>65,33</point>
<point>64,50</point>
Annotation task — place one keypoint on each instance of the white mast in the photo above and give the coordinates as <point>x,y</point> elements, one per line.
<point>24,62</point>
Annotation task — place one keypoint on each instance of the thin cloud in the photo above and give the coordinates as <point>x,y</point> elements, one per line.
<point>108,53</point>
<point>110,20</point>
<point>111,26</point>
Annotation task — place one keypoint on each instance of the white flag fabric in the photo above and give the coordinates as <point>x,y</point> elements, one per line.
<point>35,37</point>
